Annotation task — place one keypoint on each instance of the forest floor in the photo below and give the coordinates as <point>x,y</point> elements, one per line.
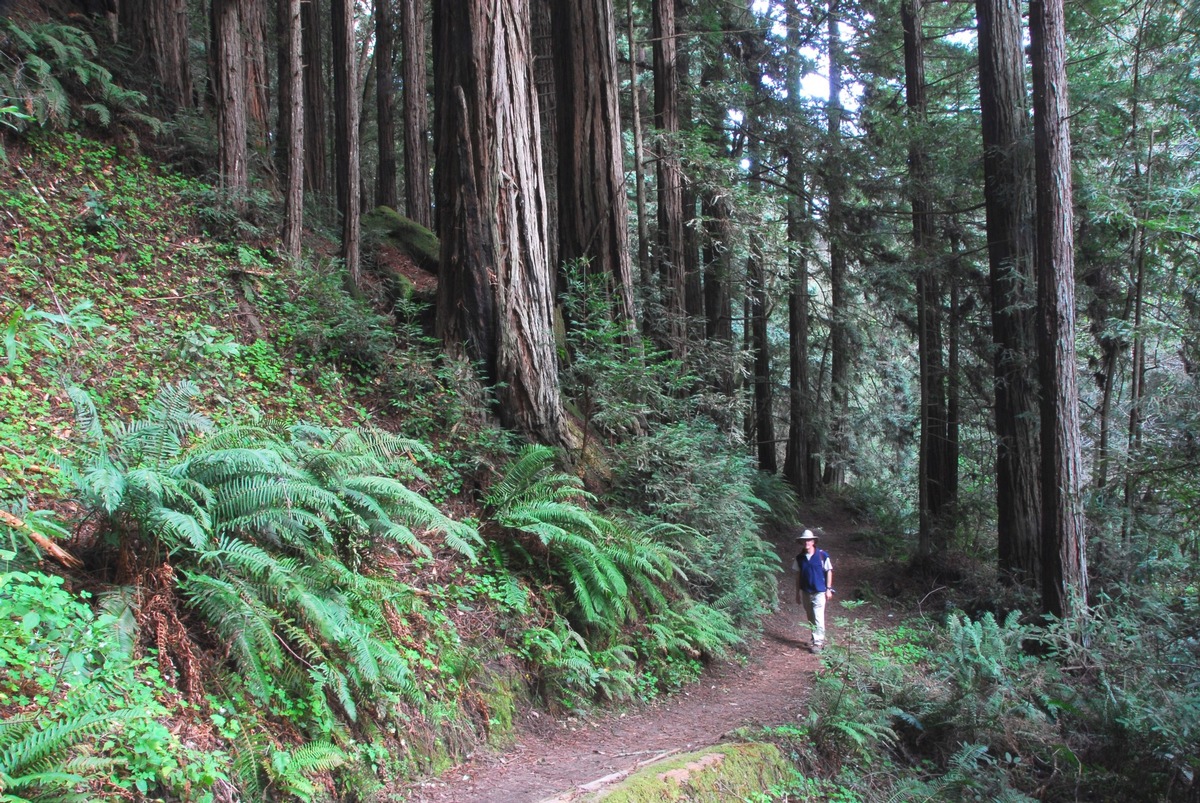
<point>765,685</point>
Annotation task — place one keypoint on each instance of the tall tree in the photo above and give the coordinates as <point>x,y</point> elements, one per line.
<point>800,462</point>
<point>1064,558</point>
<point>645,269</point>
<point>346,142</point>
<point>592,206</point>
<point>933,448</point>
<point>672,267</point>
<point>385,103</point>
<point>254,43</point>
<point>494,292</point>
<point>316,168</point>
<point>418,203</point>
<point>839,327</point>
<point>760,343</point>
<point>229,91</point>
<point>1008,204</point>
<point>292,112</point>
<point>157,34</point>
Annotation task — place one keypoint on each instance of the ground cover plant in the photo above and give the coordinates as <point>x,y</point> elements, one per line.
<point>191,434</point>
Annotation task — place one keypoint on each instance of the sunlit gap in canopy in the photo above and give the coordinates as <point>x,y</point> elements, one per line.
<point>815,81</point>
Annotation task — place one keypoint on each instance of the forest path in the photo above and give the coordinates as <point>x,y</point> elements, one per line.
<point>765,687</point>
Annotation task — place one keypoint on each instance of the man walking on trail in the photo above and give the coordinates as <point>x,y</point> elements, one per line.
<point>814,585</point>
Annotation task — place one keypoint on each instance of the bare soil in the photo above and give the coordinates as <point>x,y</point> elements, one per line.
<point>765,686</point>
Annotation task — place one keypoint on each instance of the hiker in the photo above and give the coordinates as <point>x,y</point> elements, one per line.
<point>814,585</point>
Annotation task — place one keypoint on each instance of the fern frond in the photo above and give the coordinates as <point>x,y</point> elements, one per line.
<point>120,605</point>
<point>315,757</point>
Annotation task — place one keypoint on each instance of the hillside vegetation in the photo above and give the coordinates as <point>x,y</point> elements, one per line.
<point>260,539</point>
<point>301,540</point>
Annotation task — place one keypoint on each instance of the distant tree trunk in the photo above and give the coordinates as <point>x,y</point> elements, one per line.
<point>346,144</point>
<point>693,284</point>
<point>385,104</point>
<point>254,40</point>
<point>839,334</point>
<point>316,169</point>
<point>292,104</point>
<point>933,418</point>
<point>717,250</point>
<point>760,344</point>
<point>229,90</point>
<point>592,208</point>
<point>544,71</point>
<point>1064,558</point>
<point>418,202</point>
<point>801,462</point>
<point>717,257</point>
<point>799,465</point>
<point>1008,201</point>
<point>645,269</point>
<point>157,33</point>
<point>671,263</point>
<point>494,292</point>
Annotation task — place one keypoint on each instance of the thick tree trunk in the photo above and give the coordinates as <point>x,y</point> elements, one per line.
<point>316,166</point>
<point>1064,559</point>
<point>671,261</point>
<point>229,90</point>
<point>346,143</point>
<point>385,104</point>
<point>156,32</point>
<point>494,293</point>
<point>1008,203</point>
<point>293,118</point>
<point>592,208</point>
<point>418,202</point>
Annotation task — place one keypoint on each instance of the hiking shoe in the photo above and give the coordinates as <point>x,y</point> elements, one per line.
<point>816,649</point>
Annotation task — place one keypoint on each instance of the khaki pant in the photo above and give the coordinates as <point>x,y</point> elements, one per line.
<point>814,606</point>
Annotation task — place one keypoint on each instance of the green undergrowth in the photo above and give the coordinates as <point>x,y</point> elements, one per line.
<point>956,707</point>
<point>256,541</point>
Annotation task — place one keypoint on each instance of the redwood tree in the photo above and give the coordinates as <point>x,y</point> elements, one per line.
<point>592,208</point>
<point>156,31</point>
<point>494,291</point>
<point>418,203</point>
<point>385,103</point>
<point>292,115</point>
<point>1064,559</point>
<point>672,266</point>
<point>346,143</point>
<point>1008,204</point>
<point>229,92</point>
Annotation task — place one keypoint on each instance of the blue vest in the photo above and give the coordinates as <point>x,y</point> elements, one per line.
<point>812,571</point>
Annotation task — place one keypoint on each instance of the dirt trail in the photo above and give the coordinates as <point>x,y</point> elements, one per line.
<point>767,688</point>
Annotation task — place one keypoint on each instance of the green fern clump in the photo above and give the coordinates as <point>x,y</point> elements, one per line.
<point>689,474</point>
<point>601,563</point>
<point>612,574</point>
<point>54,79</point>
<point>268,535</point>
